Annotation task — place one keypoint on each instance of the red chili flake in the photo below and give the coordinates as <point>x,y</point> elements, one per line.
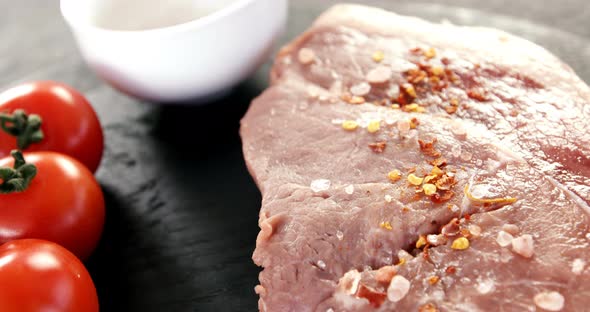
<point>451,109</point>
<point>416,50</point>
<point>467,217</point>
<point>426,254</point>
<point>429,307</point>
<point>428,149</point>
<point>414,123</point>
<point>451,229</point>
<point>412,170</point>
<point>465,233</point>
<point>405,209</point>
<point>451,270</point>
<point>439,162</point>
<point>375,297</point>
<point>378,147</point>
<point>476,95</point>
<point>445,183</point>
<point>445,61</point>
<point>407,94</point>
<point>433,279</point>
<point>423,66</point>
<point>442,197</point>
<point>415,76</point>
<point>441,86</point>
<point>514,113</point>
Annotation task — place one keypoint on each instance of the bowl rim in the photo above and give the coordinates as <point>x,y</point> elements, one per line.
<point>201,22</point>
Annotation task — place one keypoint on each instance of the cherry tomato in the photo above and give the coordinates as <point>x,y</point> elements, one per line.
<point>69,125</point>
<point>63,204</point>
<point>37,275</point>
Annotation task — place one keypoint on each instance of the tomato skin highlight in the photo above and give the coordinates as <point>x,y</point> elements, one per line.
<point>37,275</point>
<point>63,204</point>
<point>70,124</point>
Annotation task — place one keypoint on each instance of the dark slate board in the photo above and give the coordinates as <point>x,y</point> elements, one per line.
<point>181,207</point>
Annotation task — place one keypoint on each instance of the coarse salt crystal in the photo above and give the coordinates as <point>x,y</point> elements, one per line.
<point>466,156</point>
<point>403,126</point>
<point>320,185</point>
<point>339,235</point>
<point>436,240</point>
<point>388,198</point>
<point>330,310</point>
<point>306,56</point>
<point>475,230</point>
<point>321,264</point>
<point>349,189</point>
<point>504,238</point>
<point>550,301</point>
<point>398,288</point>
<point>459,131</point>
<point>350,281</point>
<point>523,245</point>
<point>360,89</point>
<point>511,228</point>
<point>485,286</point>
<point>578,266</point>
<point>378,75</point>
<point>313,93</point>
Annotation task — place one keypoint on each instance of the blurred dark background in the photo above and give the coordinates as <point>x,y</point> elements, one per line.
<point>181,208</point>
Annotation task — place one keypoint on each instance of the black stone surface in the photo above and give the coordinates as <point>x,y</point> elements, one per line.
<point>181,207</point>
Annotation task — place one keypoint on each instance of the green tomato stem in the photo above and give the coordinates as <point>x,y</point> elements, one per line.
<point>18,178</point>
<point>26,128</point>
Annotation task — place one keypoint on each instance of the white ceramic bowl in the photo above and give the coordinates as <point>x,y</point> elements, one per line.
<point>175,50</point>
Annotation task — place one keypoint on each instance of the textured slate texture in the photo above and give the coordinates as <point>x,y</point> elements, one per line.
<point>181,224</point>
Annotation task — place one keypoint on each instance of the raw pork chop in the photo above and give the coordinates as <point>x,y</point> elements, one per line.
<point>410,166</point>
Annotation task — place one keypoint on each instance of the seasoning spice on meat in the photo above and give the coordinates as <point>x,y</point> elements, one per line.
<point>429,307</point>
<point>378,56</point>
<point>430,53</point>
<point>476,95</point>
<point>349,125</point>
<point>433,279</point>
<point>374,126</point>
<point>394,175</point>
<point>414,180</point>
<point>460,243</point>
<point>378,147</point>
<point>428,149</point>
<point>386,225</point>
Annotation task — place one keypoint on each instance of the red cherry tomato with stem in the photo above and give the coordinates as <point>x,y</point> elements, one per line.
<point>53,197</point>
<point>50,116</point>
<point>37,275</point>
